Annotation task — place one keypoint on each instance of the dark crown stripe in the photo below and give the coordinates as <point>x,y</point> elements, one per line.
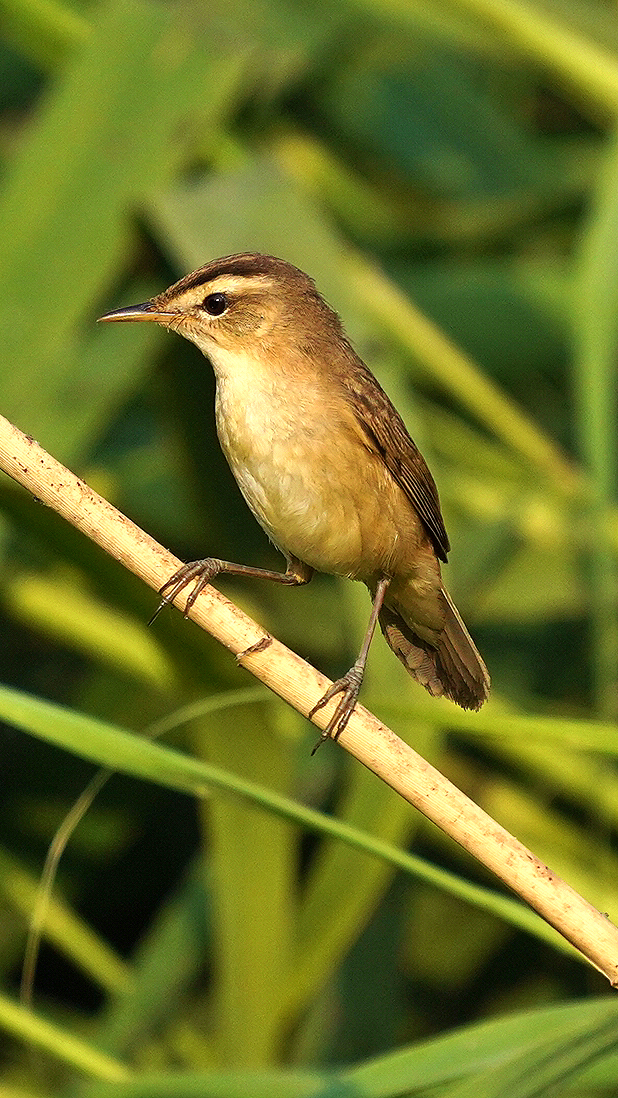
<point>244,265</point>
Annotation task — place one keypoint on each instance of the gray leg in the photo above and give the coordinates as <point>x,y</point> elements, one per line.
<point>349,684</point>
<point>202,572</point>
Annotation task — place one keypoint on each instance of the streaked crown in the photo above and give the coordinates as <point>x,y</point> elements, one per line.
<point>239,298</point>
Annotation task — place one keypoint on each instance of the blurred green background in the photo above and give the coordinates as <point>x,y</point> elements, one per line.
<point>448,173</point>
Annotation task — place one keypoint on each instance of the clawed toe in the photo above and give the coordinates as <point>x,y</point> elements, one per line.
<point>202,571</point>
<point>349,686</point>
<point>154,617</point>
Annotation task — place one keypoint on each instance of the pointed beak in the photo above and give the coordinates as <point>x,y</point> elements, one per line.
<point>145,311</point>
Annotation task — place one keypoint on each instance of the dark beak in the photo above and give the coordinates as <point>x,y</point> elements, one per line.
<point>145,311</point>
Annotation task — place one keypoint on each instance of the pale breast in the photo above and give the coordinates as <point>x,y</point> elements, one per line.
<point>315,488</point>
<point>291,489</point>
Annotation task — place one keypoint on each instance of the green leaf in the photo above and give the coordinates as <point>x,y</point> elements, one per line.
<point>41,1034</point>
<point>112,747</point>
<point>65,929</point>
<point>60,609</point>
<point>97,141</point>
<point>481,1048</point>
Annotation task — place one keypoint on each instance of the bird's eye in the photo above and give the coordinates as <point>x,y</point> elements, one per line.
<point>215,304</point>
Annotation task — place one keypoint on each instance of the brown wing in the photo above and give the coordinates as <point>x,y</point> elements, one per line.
<point>385,428</point>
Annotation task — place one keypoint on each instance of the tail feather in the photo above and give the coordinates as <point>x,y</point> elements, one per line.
<point>453,667</point>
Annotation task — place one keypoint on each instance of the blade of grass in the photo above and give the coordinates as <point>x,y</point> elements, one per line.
<point>48,917</point>
<point>342,881</point>
<point>64,215</point>
<point>468,1050</point>
<point>232,1084</point>
<point>376,746</point>
<point>45,30</point>
<point>252,857</point>
<point>26,1026</point>
<point>601,736</point>
<point>561,1059</point>
<point>111,746</point>
<point>60,608</point>
<point>583,65</point>
<point>169,960</point>
<point>596,341</point>
<point>68,933</point>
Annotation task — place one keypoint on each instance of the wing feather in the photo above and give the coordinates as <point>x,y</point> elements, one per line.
<point>387,432</point>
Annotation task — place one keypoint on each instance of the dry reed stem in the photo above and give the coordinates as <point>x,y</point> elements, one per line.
<point>366,738</point>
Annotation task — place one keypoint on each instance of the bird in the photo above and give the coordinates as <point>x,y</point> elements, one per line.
<point>326,465</point>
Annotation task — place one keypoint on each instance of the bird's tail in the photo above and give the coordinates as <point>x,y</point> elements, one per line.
<point>453,667</point>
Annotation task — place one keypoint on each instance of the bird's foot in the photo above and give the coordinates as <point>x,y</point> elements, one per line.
<point>349,687</point>
<point>201,571</point>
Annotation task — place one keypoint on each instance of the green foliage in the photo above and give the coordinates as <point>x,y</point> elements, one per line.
<point>234,917</point>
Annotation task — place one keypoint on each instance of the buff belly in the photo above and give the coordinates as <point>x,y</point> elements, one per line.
<point>299,469</point>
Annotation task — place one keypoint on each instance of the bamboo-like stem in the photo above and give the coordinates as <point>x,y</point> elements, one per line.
<point>366,738</point>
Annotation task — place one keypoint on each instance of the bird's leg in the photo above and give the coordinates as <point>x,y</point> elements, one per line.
<point>349,684</point>
<point>202,572</point>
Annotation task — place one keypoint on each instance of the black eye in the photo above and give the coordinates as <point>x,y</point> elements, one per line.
<point>215,304</point>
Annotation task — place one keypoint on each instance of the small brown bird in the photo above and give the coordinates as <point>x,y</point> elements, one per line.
<point>325,463</point>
